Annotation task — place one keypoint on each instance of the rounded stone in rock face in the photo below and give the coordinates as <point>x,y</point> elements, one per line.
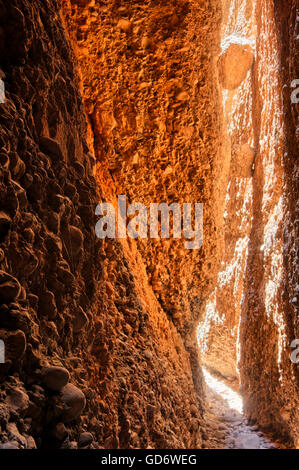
<point>234,65</point>
<point>60,432</point>
<point>47,305</point>
<point>54,377</point>
<point>145,42</point>
<point>18,399</point>
<point>76,239</point>
<point>85,439</point>
<point>74,402</point>
<point>10,287</point>
<point>124,25</point>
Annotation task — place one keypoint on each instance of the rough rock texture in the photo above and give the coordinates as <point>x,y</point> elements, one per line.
<point>226,425</point>
<point>74,308</point>
<point>272,276</point>
<point>234,64</point>
<point>252,317</point>
<point>154,127</point>
<point>47,237</point>
<point>100,336</point>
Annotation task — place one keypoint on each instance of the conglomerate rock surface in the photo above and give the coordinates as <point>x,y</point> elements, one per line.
<point>106,98</point>
<point>97,353</point>
<point>252,316</point>
<point>150,88</point>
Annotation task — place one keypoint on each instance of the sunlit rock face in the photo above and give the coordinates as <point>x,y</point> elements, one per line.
<point>100,335</point>
<point>151,92</point>
<point>103,99</point>
<point>251,318</point>
<point>151,95</point>
<point>234,64</point>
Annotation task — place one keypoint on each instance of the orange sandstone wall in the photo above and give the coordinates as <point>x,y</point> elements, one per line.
<point>151,92</point>
<point>99,336</point>
<point>252,316</point>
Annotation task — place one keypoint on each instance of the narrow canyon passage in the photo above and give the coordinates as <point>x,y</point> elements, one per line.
<point>142,338</point>
<point>244,333</point>
<point>227,426</point>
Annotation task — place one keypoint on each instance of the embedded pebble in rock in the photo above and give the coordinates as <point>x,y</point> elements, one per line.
<point>10,288</point>
<point>74,402</point>
<point>109,98</point>
<point>60,432</point>
<point>5,223</point>
<point>234,64</point>
<point>148,354</point>
<point>227,427</point>
<point>69,445</point>
<point>249,319</point>
<point>18,399</point>
<point>80,320</point>
<point>54,378</point>
<point>85,439</point>
<point>51,146</point>
<point>47,305</point>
